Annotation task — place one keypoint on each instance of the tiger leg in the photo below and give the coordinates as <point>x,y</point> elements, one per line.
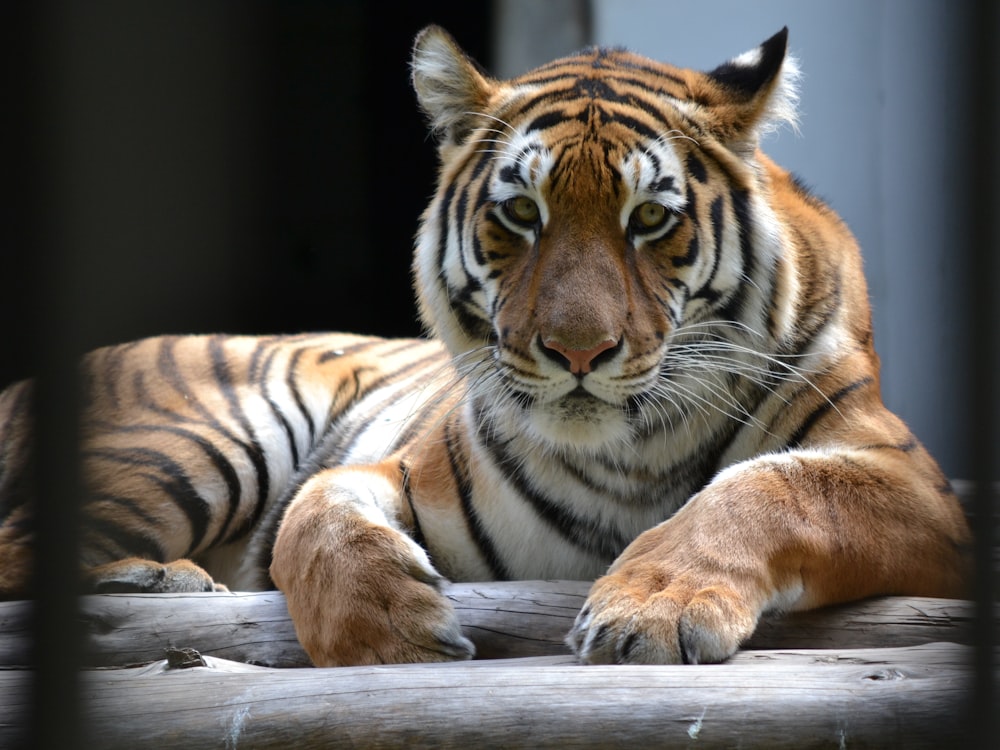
<point>359,590</point>
<point>132,575</point>
<point>138,576</point>
<point>778,533</point>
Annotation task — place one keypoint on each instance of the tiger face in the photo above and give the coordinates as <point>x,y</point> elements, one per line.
<point>582,241</point>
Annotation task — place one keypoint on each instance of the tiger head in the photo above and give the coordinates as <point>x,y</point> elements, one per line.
<point>589,215</point>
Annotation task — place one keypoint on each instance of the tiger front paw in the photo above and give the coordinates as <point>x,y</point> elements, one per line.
<point>370,598</point>
<point>634,617</point>
<point>135,575</point>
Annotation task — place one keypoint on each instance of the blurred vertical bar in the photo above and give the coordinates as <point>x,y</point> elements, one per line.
<point>981,398</point>
<point>53,230</point>
<point>145,165</point>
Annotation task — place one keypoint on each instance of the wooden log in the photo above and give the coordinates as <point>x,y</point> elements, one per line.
<point>910,697</point>
<point>503,619</point>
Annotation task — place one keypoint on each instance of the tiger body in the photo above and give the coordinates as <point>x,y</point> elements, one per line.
<point>652,366</point>
<point>218,429</point>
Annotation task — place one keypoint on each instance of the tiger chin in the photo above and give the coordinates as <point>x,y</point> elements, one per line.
<point>650,364</point>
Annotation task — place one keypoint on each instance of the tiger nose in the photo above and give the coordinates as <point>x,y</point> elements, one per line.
<point>580,361</point>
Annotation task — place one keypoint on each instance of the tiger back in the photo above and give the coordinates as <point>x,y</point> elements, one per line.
<point>652,365</point>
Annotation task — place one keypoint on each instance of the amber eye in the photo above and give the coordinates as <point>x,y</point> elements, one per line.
<point>522,210</point>
<point>648,217</point>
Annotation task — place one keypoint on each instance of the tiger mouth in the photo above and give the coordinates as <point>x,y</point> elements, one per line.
<point>580,393</point>
<point>581,404</point>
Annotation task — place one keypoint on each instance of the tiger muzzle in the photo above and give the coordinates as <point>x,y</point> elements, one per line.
<point>579,361</point>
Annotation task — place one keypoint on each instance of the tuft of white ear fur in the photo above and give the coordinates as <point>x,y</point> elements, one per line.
<point>449,86</point>
<point>783,103</point>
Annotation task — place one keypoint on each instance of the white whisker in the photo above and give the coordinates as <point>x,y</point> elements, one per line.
<point>705,351</point>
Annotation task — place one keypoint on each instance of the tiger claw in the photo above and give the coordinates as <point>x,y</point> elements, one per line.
<point>679,624</point>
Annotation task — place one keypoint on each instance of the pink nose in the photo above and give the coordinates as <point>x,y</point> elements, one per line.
<point>580,360</point>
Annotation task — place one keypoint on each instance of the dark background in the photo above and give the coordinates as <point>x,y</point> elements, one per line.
<point>215,167</point>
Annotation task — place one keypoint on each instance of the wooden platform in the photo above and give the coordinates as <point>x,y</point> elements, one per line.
<point>225,670</point>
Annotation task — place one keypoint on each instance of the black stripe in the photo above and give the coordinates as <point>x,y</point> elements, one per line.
<point>131,505</point>
<point>795,441</point>
<point>477,245</point>
<point>547,120</point>
<point>579,473</point>
<point>706,292</point>
<point>568,71</point>
<point>338,444</point>
<point>715,211</point>
<point>809,327</point>
<point>664,184</point>
<point>772,308</point>
<point>512,174</point>
<point>255,452</point>
<point>589,535</point>
<point>598,89</point>
<point>564,162</point>
<point>479,535</point>
<point>361,346</point>
<point>218,459</point>
<point>546,98</point>
<point>417,533</point>
<point>254,366</point>
<point>697,168</point>
<point>129,543</point>
<point>637,126</point>
<point>690,256</point>
<point>292,381</point>
<point>264,380</point>
<point>740,201</point>
<point>443,223</point>
<point>652,71</point>
<point>460,295</point>
<point>655,110</point>
<point>172,480</point>
<point>167,367</point>
<point>111,374</point>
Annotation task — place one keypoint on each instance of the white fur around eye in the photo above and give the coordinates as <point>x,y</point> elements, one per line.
<point>655,176</point>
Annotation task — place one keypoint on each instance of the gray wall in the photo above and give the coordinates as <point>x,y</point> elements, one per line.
<point>884,86</point>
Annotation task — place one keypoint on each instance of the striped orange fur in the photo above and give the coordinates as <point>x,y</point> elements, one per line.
<point>650,363</point>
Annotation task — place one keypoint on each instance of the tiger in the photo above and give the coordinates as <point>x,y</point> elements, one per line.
<point>648,364</point>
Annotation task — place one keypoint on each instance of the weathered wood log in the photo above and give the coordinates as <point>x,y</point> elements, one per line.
<point>907,697</point>
<point>503,619</point>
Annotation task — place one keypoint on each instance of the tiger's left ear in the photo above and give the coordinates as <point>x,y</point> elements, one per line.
<point>752,94</point>
<point>450,87</point>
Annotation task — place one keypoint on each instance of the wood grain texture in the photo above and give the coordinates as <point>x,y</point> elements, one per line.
<point>885,672</point>
<point>905,697</point>
<point>503,619</point>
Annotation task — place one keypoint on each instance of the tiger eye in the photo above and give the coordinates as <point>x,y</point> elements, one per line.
<point>649,215</point>
<point>522,210</point>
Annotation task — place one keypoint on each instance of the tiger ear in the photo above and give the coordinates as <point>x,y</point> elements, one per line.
<point>450,87</point>
<point>752,94</point>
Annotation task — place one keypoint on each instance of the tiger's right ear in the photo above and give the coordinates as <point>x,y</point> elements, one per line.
<point>451,88</point>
